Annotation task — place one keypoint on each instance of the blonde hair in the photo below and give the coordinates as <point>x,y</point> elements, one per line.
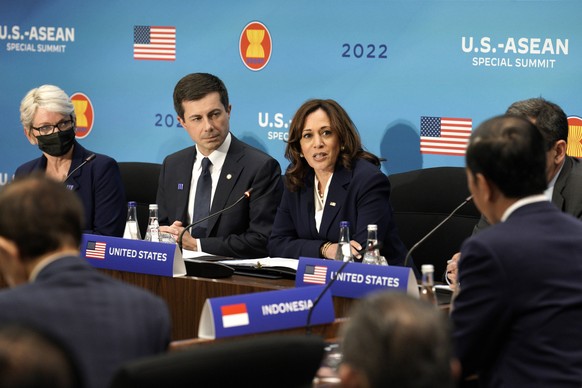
<point>49,97</point>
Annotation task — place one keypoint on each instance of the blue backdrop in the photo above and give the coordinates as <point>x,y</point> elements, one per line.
<point>388,62</point>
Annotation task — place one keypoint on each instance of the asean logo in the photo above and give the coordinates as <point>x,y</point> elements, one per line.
<point>84,113</point>
<point>255,46</point>
<point>574,137</point>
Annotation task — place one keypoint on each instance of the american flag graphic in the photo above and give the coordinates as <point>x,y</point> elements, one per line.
<point>444,135</point>
<point>154,43</point>
<point>95,250</point>
<point>315,274</point>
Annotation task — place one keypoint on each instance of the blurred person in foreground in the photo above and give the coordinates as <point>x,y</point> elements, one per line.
<point>563,172</point>
<point>48,118</point>
<point>394,340</point>
<point>103,321</point>
<point>30,358</point>
<point>331,178</point>
<point>212,174</point>
<point>519,305</point>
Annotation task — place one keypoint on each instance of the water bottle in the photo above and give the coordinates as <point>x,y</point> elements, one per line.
<point>131,227</point>
<point>372,255</point>
<point>153,232</point>
<point>344,249</point>
<point>427,291</point>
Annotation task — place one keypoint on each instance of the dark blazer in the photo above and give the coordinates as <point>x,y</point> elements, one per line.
<point>517,316</point>
<point>103,321</point>
<point>243,231</point>
<point>360,196</point>
<point>98,184</point>
<point>567,191</point>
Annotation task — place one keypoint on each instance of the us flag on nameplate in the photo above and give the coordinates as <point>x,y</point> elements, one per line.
<point>444,135</point>
<point>95,250</point>
<point>154,43</point>
<point>315,274</point>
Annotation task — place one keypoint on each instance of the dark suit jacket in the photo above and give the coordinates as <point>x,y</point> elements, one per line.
<point>103,321</point>
<point>360,196</point>
<point>98,184</point>
<point>518,314</point>
<point>243,231</point>
<point>567,191</point>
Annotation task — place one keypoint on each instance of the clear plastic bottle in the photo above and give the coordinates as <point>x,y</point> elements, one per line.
<point>372,255</point>
<point>427,291</point>
<point>344,249</point>
<point>131,226</point>
<point>153,232</point>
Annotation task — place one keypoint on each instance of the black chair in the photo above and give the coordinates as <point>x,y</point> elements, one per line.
<point>421,199</point>
<point>284,361</point>
<point>140,181</point>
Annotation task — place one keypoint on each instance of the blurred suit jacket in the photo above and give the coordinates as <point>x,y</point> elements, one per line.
<point>103,321</point>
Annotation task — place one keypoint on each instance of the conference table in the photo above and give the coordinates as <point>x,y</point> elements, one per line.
<point>186,296</point>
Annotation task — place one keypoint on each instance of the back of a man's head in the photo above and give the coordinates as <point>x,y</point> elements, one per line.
<point>509,151</point>
<point>547,116</point>
<point>398,341</point>
<point>30,358</point>
<point>40,215</point>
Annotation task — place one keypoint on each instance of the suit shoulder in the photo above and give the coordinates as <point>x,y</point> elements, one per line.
<point>181,154</point>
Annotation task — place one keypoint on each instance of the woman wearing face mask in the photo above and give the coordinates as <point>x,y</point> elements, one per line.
<point>48,117</point>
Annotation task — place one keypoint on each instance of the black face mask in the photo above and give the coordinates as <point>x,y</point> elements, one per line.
<point>58,143</point>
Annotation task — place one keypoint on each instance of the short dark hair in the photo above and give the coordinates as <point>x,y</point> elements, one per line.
<point>196,86</point>
<point>399,341</point>
<point>340,121</point>
<point>548,117</point>
<point>40,215</point>
<point>509,151</point>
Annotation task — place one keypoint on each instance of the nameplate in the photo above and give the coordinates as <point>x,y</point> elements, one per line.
<point>263,312</point>
<point>357,279</point>
<point>152,258</point>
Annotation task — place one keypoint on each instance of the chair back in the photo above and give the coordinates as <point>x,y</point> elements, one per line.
<point>421,199</point>
<point>286,361</point>
<point>140,181</point>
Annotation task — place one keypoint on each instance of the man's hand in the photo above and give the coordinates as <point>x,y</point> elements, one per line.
<point>188,242</point>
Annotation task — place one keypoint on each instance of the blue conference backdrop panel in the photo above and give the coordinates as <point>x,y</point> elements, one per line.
<point>408,72</point>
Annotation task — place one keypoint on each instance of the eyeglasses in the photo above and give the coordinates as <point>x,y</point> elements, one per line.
<point>60,126</point>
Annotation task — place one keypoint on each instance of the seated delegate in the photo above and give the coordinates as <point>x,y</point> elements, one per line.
<point>331,178</point>
<point>48,117</point>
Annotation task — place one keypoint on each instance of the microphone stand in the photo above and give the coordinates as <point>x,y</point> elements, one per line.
<point>247,194</point>
<point>378,245</point>
<point>87,160</point>
<point>467,200</point>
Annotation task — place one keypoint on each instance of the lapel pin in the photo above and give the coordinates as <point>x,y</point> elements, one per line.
<point>70,187</point>
<point>180,186</point>
<point>332,204</point>
<point>228,176</point>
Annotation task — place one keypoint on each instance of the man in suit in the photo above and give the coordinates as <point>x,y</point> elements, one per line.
<point>213,174</point>
<point>104,322</point>
<point>563,172</point>
<point>516,316</point>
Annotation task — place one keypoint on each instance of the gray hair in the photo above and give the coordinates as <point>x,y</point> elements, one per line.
<point>49,97</point>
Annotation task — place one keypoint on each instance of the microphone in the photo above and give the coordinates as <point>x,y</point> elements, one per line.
<point>87,160</point>
<point>247,194</point>
<point>361,252</point>
<point>407,258</point>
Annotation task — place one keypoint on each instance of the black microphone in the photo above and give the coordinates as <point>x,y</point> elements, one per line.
<point>247,194</point>
<point>87,160</point>
<point>361,252</point>
<point>467,200</point>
